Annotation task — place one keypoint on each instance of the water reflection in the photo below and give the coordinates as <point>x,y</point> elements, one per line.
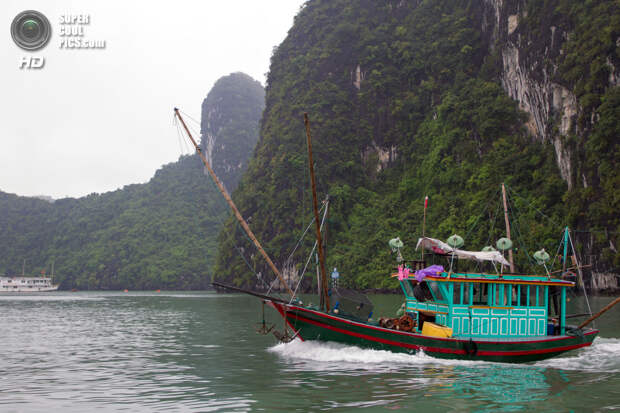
<point>76,352</point>
<point>403,381</point>
<point>199,352</point>
<point>498,386</point>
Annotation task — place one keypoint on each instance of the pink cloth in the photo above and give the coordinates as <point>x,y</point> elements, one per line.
<point>403,272</point>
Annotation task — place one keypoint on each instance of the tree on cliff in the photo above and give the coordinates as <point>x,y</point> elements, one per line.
<point>405,100</point>
<point>161,234</point>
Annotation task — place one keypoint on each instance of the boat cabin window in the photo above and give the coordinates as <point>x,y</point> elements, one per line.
<point>436,291</point>
<point>504,295</point>
<point>536,295</point>
<point>509,295</point>
<point>480,294</point>
<point>407,287</point>
<point>460,295</point>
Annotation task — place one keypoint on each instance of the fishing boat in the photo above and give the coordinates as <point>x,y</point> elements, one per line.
<point>471,316</point>
<point>496,316</point>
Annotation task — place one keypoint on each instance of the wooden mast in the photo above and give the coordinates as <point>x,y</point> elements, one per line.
<point>512,265</point>
<point>316,216</point>
<point>233,206</point>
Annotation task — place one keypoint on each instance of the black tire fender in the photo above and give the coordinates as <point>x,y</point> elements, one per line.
<point>470,347</point>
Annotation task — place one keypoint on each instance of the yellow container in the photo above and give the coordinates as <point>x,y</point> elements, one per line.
<point>435,330</point>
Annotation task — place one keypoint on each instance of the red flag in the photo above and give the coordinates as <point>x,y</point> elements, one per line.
<point>425,202</point>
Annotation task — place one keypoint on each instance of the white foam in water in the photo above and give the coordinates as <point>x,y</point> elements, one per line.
<point>602,356</point>
<point>328,355</point>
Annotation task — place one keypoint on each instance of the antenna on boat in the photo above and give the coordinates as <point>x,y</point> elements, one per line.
<point>504,244</point>
<point>232,205</point>
<point>510,260</point>
<point>456,242</point>
<point>315,207</point>
<point>424,222</point>
<point>541,258</point>
<point>490,248</point>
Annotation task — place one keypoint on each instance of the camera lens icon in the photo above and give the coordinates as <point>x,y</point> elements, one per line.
<point>31,30</point>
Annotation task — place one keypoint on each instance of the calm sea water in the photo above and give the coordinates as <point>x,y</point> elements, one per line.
<point>76,352</point>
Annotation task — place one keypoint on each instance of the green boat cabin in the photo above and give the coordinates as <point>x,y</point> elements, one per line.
<point>486,305</point>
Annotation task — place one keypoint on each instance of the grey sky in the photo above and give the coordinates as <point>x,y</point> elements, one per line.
<point>96,120</point>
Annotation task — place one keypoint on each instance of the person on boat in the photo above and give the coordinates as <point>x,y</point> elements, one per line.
<point>421,292</point>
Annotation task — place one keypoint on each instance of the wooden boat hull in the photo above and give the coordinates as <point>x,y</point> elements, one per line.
<point>316,325</point>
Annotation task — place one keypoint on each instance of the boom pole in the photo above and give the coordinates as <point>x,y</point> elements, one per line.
<point>232,205</point>
<point>600,313</point>
<point>316,216</point>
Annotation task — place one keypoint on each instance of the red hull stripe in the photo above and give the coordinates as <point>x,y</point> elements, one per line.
<point>538,351</point>
<point>354,334</point>
<point>434,349</point>
<point>323,315</point>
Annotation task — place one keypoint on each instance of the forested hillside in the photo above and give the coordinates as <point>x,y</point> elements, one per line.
<point>161,234</point>
<point>415,98</point>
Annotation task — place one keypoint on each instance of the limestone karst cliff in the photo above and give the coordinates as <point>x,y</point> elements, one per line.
<point>532,42</point>
<point>229,125</point>
<point>446,99</point>
<point>161,234</point>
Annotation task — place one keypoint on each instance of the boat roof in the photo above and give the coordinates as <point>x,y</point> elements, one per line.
<point>527,279</point>
<point>441,248</point>
<point>524,279</point>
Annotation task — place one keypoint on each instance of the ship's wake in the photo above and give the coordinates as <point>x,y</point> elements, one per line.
<point>327,356</point>
<point>602,356</point>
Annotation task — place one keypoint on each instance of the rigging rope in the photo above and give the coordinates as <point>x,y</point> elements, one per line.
<point>220,219</point>
<point>304,271</point>
<point>517,229</point>
<point>187,115</point>
<point>182,143</point>
<point>301,276</point>
<point>473,226</point>
<point>557,253</point>
<point>579,272</point>
<point>531,205</point>
<point>304,234</point>
<point>571,243</point>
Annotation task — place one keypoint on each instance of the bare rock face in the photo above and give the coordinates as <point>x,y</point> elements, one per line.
<point>602,282</point>
<point>378,156</point>
<point>528,70</point>
<point>357,77</point>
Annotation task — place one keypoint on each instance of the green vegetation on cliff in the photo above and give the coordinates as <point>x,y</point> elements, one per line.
<point>405,101</point>
<point>588,67</point>
<point>587,63</point>
<point>230,123</point>
<point>161,234</point>
<point>148,236</point>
